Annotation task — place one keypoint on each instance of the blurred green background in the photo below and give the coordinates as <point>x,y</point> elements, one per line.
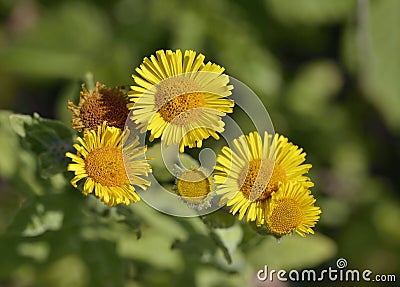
<point>328,72</point>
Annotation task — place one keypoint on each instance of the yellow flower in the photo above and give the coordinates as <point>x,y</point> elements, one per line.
<point>195,187</point>
<point>180,99</point>
<point>95,107</point>
<point>292,209</point>
<point>248,176</point>
<point>99,160</point>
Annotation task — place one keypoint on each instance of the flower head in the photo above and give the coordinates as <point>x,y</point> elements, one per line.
<point>248,175</point>
<point>292,209</point>
<point>99,160</point>
<point>195,187</point>
<point>101,104</point>
<point>180,98</point>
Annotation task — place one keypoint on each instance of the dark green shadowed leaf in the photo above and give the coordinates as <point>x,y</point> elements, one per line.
<point>48,139</point>
<point>40,214</point>
<point>261,230</point>
<point>131,219</point>
<point>218,219</point>
<point>95,254</point>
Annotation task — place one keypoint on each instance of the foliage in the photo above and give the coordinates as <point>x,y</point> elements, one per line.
<point>327,71</point>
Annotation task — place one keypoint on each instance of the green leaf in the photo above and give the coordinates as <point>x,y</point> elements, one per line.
<point>310,12</point>
<point>39,215</point>
<point>39,251</point>
<point>230,239</point>
<point>105,266</point>
<point>9,147</point>
<point>223,232</point>
<point>48,139</point>
<point>261,230</point>
<point>78,274</point>
<point>195,246</point>
<point>43,221</point>
<point>18,123</point>
<point>131,219</point>
<point>51,212</point>
<point>386,216</point>
<point>218,219</point>
<point>9,259</point>
<point>292,252</point>
<point>378,58</point>
<point>219,242</point>
<point>313,88</point>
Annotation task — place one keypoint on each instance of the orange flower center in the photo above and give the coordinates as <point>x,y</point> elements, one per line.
<point>104,105</point>
<point>285,217</point>
<point>194,186</point>
<point>105,165</point>
<point>260,178</point>
<point>177,98</point>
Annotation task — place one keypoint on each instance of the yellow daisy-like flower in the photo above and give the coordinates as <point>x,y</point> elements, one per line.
<point>248,176</point>
<point>101,104</point>
<point>195,187</point>
<point>292,209</point>
<point>180,98</point>
<point>100,160</point>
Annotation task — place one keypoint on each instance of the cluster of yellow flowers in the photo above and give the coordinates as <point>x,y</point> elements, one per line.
<point>181,99</point>
<point>100,116</point>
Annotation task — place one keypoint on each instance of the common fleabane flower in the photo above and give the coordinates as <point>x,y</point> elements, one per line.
<point>101,104</point>
<point>195,187</point>
<point>248,175</point>
<point>180,98</point>
<point>100,161</point>
<point>292,209</point>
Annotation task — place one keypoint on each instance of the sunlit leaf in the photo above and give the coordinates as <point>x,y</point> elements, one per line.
<point>8,143</point>
<point>378,59</point>
<point>78,272</point>
<point>292,252</point>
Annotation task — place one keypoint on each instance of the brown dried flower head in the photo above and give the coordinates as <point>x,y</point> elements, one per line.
<point>101,104</point>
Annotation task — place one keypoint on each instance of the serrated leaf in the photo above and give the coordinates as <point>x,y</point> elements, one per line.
<point>48,139</point>
<point>18,123</point>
